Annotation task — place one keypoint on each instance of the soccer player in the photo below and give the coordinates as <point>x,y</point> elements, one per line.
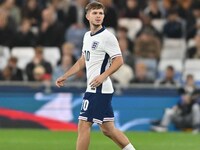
<point>102,57</point>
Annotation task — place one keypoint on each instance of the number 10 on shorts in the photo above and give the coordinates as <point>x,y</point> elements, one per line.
<point>85,105</point>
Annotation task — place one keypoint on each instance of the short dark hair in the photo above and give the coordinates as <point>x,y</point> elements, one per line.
<point>171,68</point>
<point>13,59</point>
<point>190,76</point>
<point>94,5</point>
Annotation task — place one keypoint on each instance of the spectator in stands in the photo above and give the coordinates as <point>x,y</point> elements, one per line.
<point>147,46</point>
<point>66,63</point>
<point>13,11</point>
<point>24,36</point>
<point>142,4</point>
<point>153,9</point>
<point>185,114</point>
<point>123,76</point>
<point>147,27</point>
<point>196,96</point>
<point>51,31</point>
<point>193,23</point>
<point>76,14</point>
<point>141,73</point>
<point>38,60</point>
<point>189,87</point>
<point>120,4</point>
<point>184,8</point>
<point>19,3</point>
<point>173,28</point>
<point>76,25</point>
<point>16,73</point>
<point>7,34</point>
<point>32,11</point>
<point>11,72</point>
<point>126,54</point>
<point>194,52</point>
<point>166,5</point>
<point>39,73</point>
<point>111,17</point>
<point>61,7</point>
<point>169,77</point>
<point>6,74</point>
<point>75,35</point>
<point>131,10</point>
<point>122,32</point>
<point>68,49</point>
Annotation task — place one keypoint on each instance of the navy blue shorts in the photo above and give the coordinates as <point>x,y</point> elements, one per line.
<point>96,108</point>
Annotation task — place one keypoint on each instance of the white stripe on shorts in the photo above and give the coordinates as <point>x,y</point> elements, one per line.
<point>82,118</point>
<point>108,119</point>
<point>97,121</point>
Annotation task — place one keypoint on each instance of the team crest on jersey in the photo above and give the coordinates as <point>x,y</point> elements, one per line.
<point>95,45</point>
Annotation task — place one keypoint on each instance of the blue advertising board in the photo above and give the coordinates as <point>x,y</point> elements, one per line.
<point>60,110</point>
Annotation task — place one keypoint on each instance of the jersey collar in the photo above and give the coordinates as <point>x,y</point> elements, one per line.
<point>101,30</point>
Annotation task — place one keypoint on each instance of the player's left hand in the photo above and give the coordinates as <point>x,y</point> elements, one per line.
<point>98,80</point>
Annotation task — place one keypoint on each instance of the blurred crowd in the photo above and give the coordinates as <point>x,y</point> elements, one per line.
<point>185,115</point>
<point>62,24</point>
<point>159,40</point>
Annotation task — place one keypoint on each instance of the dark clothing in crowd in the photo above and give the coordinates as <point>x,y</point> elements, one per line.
<point>173,30</point>
<point>165,82</point>
<point>72,17</point>
<point>53,36</point>
<point>13,75</point>
<point>30,67</point>
<point>7,36</point>
<point>191,53</point>
<point>27,39</point>
<point>111,18</point>
<point>131,13</point>
<point>185,108</point>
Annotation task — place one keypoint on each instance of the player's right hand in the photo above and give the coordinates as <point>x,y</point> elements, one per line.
<point>60,81</point>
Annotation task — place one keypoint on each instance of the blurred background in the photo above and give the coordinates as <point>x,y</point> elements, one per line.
<point>156,89</point>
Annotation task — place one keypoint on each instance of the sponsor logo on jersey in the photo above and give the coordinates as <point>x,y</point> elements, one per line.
<point>95,45</point>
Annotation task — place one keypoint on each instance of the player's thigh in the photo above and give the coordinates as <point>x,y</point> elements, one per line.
<point>107,126</point>
<point>84,125</point>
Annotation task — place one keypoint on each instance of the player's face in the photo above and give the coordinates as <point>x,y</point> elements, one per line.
<point>95,16</point>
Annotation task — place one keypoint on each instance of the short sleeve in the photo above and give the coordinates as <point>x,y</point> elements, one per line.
<point>84,37</point>
<point>112,47</point>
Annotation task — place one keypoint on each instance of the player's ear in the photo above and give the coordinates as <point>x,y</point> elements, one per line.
<point>87,16</point>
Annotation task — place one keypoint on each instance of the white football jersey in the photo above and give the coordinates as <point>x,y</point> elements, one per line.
<point>98,50</point>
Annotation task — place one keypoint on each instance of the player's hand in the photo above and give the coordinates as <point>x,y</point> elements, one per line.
<point>60,81</point>
<point>97,81</point>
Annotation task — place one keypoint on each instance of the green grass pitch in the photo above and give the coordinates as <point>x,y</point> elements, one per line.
<point>51,140</point>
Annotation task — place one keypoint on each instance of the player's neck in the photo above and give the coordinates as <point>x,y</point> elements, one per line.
<point>95,29</point>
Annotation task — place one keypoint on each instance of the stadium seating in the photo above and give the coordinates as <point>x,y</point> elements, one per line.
<point>52,55</point>
<point>177,65</point>
<point>173,49</point>
<point>24,55</point>
<point>174,43</point>
<point>190,43</point>
<point>195,73</point>
<point>172,54</point>
<point>4,56</point>
<point>133,26</point>
<point>151,66</point>
<point>158,24</point>
<point>192,64</point>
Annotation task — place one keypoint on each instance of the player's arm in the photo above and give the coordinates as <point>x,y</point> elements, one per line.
<point>79,65</point>
<point>117,62</point>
